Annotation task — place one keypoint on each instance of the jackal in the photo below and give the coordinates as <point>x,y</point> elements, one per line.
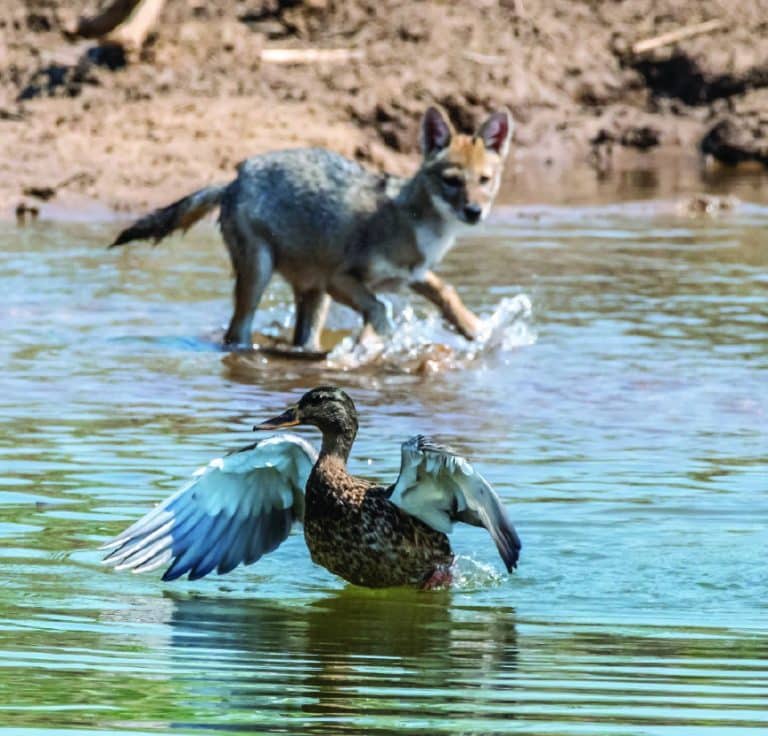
<point>333,229</point>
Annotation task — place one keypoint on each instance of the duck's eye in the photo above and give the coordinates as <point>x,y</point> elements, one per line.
<point>453,181</point>
<point>484,179</point>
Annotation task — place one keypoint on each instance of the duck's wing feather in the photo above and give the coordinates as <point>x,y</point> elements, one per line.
<point>439,487</point>
<point>236,509</point>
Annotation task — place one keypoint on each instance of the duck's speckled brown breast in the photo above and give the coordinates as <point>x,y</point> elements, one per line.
<point>353,530</point>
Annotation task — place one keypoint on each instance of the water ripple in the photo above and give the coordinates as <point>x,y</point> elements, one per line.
<point>616,400</point>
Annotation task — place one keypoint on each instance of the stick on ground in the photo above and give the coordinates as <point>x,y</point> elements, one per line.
<point>679,34</point>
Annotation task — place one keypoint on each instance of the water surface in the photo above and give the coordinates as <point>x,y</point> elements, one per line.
<point>620,411</point>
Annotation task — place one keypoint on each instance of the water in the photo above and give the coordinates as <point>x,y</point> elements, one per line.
<point>619,406</point>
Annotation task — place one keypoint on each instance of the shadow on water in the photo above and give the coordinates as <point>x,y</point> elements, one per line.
<point>352,658</point>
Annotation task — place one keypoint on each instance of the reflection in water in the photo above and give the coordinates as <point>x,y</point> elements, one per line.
<point>625,433</point>
<point>354,657</point>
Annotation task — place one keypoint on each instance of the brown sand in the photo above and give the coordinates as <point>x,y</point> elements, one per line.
<point>198,99</point>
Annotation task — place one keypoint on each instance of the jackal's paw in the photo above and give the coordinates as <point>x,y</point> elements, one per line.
<point>380,320</point>
<point>369,339</point>
<point>235,341</point>
<point>470,326</point>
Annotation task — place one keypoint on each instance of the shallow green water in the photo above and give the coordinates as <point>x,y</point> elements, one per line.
<point>623,422</point>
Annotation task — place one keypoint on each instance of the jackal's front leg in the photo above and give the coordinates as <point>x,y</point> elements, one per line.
<point>350,290</point>
<point>445,298</point>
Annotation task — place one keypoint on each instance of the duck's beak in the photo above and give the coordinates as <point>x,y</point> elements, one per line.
<point>289,418</point>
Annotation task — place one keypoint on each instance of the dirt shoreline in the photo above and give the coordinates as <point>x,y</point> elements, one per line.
<point>83,128</point>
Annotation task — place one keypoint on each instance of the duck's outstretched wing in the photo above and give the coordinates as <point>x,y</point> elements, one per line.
<point>238,508</point>
<point>439,487</point>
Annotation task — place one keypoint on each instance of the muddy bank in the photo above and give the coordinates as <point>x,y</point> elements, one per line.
<point>82,123</point>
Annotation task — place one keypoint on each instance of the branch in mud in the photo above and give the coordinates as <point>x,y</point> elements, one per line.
<point>679,34</point>
<point>126,22</point>
<point>310,56</point>
<point>110,18</point>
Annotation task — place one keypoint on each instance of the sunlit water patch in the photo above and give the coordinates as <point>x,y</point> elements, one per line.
<point>619,408</point>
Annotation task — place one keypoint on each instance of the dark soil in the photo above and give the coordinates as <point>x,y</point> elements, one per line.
<point>90,122</point>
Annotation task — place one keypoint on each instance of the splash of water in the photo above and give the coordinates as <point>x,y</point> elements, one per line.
<point>426,345</point>
<point>470,574</point>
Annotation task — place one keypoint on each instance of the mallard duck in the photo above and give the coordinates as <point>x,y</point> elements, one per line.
<point>244,505</point>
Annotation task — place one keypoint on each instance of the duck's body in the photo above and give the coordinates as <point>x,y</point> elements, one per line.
<point>243,506</point>
<point>354,530</point>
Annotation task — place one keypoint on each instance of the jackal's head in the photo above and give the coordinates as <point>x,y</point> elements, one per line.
<point>461,172</point>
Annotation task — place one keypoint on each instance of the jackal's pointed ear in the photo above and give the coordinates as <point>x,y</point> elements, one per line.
<point>496,132</point>
<point>436,132</point>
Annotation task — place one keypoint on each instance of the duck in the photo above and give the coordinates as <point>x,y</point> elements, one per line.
<point>244,505</point>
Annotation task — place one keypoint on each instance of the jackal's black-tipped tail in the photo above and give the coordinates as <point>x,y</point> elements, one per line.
<point>180,215</point>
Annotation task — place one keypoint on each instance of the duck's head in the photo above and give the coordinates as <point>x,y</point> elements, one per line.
<point>328,408</point>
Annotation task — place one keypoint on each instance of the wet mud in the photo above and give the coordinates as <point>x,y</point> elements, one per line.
<point>88,122</point>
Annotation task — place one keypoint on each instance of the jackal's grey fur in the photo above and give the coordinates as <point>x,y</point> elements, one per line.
<point>331,227</point>
<point>179,215</point>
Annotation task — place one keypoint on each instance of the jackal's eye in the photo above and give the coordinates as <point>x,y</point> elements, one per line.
<point>484,179</point>
<point>453,181</point>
